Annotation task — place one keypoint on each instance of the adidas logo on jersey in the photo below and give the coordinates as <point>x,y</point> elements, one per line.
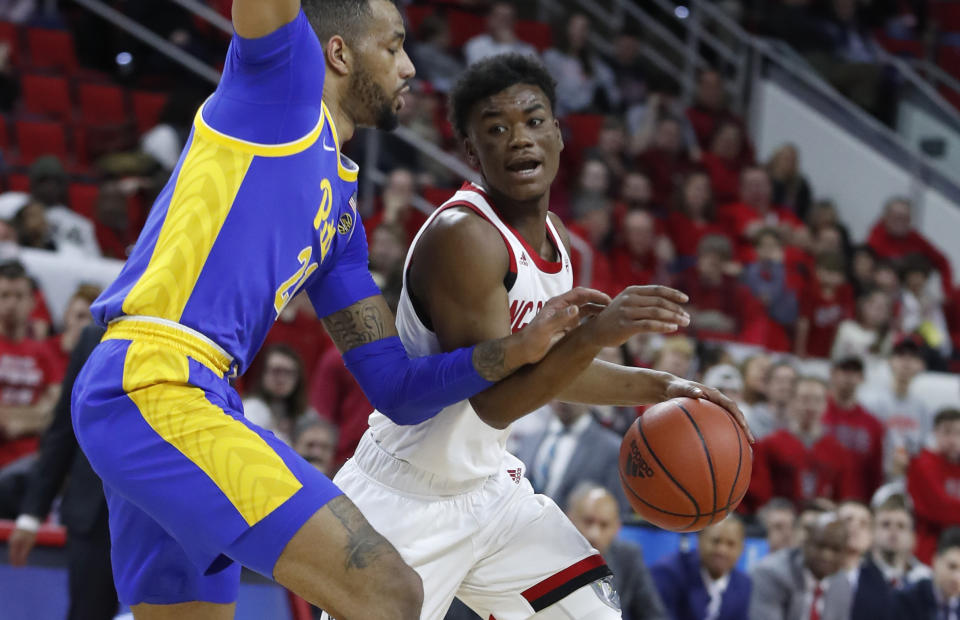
<point>515,474</point>
<point>523,259</point>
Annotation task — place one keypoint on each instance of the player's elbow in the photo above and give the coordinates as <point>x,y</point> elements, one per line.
<point>489,413</point>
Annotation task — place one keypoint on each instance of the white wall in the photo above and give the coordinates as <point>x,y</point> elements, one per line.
<point>842,168</point>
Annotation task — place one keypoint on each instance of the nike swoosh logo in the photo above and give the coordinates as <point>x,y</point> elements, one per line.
<point>328,148</point>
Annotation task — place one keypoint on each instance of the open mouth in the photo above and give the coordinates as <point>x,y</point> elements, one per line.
<point>525,167</point>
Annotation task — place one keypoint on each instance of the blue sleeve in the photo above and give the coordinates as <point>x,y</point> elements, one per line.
<point>271,89</point>
<point>348,280</point>
<point>410,391</point>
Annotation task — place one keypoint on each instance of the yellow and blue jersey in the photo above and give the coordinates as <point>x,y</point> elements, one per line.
<point>260,206</point>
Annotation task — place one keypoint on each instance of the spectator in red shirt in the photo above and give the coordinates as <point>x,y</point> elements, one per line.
<point>29,375</point>
<point>894,237</point>
<point>755,211</point>
<point>710,108</point>
<point>933,481</point>
<point>694,217</point>
<point>666,161</point>
<point>644,256</point>
<point>803,462</point>
<point>725,160</point>
<point>611,148</point>
<point>854,427</point>
<point>825,303</point>
<point>636,193</point>
<point>75,318</point>
<point>592,224</point>
<point>720,307</point>
<point>863,261</point>
<point>769,416</point>
<point>396,205</point>
<point>767,279</point>
<point>337,397</point>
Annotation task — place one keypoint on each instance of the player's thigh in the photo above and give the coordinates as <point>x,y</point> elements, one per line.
<point>541,560</point>
<point>338,562</point>
<point>434,535</point>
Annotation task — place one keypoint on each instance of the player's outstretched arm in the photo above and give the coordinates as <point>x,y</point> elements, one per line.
<point>253,19</point>
<point>457,274</point>
<point>409,391</point>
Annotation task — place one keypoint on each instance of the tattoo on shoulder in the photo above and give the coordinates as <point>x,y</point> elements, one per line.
<point>489,359</point>
<point>357,325</point>
<point>364,544</point>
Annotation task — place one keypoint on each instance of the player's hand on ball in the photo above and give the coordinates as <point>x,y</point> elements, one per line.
<point>637,310</point>
<point>681,387</point>
<point>558,317</point>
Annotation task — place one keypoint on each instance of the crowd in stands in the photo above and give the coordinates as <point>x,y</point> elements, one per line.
<point>856,490</point>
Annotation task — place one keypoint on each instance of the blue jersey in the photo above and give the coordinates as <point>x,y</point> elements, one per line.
<point>260,206</point>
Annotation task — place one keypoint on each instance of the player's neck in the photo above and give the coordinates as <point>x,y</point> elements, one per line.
<point>341,120</point>
<point>529,218</point>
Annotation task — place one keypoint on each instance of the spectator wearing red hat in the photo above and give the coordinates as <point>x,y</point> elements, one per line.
<point>933,481</point>
<point>894,237</point>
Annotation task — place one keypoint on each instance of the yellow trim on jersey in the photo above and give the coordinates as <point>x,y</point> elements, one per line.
<point>244,467</point>
<point>255,148</point>
<point>171,337</point>
<point>345,173</point>
<point>202,197</point>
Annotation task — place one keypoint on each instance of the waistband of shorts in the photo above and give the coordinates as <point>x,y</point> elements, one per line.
<point>179,337</point>
<point>403,476</point>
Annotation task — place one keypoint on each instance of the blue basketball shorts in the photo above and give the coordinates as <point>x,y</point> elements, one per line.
<point>194,490</point>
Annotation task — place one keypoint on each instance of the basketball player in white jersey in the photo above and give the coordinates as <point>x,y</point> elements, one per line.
<point>445,492</point>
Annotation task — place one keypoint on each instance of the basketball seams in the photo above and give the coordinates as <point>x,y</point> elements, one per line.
<point>736,478</point>
<point>656,458</point>
<point>706,452</point>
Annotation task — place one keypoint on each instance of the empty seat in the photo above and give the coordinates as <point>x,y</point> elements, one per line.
<point>38,138</point>
<point>147,107</point>
<point>47,95</point>
<point>51,49</point>
<point>82,198</point>
<point>102,104</point>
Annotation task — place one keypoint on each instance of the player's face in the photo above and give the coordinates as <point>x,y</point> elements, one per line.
<point>382,71</point>
<point>515,140</point>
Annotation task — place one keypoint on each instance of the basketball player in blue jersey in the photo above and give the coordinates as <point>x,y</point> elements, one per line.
<point>259,208</point>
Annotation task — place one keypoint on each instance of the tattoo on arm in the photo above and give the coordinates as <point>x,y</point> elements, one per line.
<point>489,359</point>
<point>364,544</point>
<point>357,325</point>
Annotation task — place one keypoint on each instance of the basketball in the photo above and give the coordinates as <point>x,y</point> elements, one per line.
<point>685,464</point>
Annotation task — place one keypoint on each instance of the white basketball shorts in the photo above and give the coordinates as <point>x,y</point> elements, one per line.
<point>503,550</point>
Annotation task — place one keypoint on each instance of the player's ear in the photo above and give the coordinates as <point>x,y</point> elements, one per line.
<point>556,125</point>
<point>471,153</point>
<point>338,55</point>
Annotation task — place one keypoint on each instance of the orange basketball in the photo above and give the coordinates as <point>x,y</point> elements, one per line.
<point>685,464</point>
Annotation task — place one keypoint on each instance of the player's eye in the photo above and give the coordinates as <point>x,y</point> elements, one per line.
<point>393,51</point>
<point>497,130</point>
<point>535,122</point>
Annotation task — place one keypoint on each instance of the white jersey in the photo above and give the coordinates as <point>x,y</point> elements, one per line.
<point>456,444</point>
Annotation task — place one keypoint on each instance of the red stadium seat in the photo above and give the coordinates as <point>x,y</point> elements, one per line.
<point>464,26</point>
<point>946,14</point>
<point>38,138</point>
<point>82,198</point>
<point>535,33</point>
<point>584,130</point>
<point>47,95</point>
<point>147,107</point>
<point>102,104</point>
<point>10,34</point>
<point>52,49</point>
<point>18,183</point>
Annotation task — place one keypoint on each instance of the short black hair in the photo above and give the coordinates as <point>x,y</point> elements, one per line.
<point>493,75</point>
<point>13,270</point>
<point>343,17</point>
<point>949,539</point>
<point>946,415</point>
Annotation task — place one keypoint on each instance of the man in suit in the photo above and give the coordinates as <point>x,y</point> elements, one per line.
<point>573,449</point>
<point>936,598</point>
<point>83,510</point>
<point>702,584</point>
<point>872,597</point>
<point>804,583</point>
<point>893,543</point>
<point>596,514</point>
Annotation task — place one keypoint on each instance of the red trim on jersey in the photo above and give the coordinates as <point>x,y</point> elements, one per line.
<point>546,266</point>
<point>564,576</point>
